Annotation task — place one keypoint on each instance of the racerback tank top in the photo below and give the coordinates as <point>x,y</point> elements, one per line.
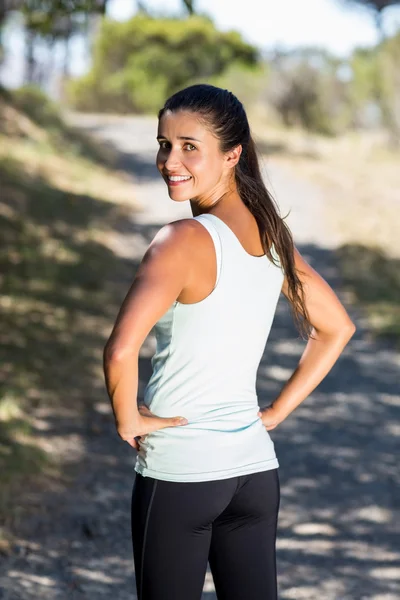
<point>205,367</point>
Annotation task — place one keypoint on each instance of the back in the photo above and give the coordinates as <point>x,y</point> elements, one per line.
<point>205,368</point>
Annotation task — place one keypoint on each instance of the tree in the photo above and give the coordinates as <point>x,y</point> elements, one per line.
<point>138,63</point>
<point>53,21</point>
<point>189,5</point>
<point>389,86</point>
<point>305,90</point>
<point>363,89</point>
<point>378,6</point>
<point>387,90</point>
<point>6,6</point>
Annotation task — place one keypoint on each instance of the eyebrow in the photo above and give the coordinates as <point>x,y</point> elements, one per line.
<point>182,137</point>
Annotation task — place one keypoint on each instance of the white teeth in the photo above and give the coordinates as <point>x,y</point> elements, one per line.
<point>178,178</point>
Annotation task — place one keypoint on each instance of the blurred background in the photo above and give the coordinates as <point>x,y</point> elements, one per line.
<point>80,200</point>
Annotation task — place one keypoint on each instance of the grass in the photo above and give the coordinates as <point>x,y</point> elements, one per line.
<point>360,179</point>
<point>31,109</point>
<point>59,207</point>
<point>374,280</point>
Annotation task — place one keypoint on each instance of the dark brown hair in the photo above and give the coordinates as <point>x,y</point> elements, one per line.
<point>225,116</point>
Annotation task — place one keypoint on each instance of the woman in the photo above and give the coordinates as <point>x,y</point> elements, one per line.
<point>207,486</point>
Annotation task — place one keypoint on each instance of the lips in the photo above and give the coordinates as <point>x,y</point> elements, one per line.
<point>179,181</point>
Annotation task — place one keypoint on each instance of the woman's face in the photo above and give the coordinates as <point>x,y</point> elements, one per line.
<point>188,150</point>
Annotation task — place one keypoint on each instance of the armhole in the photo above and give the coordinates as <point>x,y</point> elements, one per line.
<point>217,243</point>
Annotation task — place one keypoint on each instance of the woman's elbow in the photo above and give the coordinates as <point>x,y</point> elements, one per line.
<point>349,329</point>
<point>117,353</point>
<point>341,332</point>
<point>346,331</point>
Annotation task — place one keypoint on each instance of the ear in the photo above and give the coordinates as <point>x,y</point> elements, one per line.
<point>233,156</point>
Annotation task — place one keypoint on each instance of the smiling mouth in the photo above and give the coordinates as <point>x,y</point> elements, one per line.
<point>177,180</point>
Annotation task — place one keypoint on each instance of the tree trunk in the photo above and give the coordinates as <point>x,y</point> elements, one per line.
<point>30,62</point>
<point>66,56</point>
<point>379,25</point>
<point>189,4</point>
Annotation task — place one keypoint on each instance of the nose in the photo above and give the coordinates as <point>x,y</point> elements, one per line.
<point>172,159</point>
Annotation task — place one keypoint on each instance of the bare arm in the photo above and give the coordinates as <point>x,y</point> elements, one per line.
<point>163,273</point>
<point>332,329</point>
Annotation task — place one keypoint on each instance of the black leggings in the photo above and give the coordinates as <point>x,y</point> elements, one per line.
<point>178,526</point>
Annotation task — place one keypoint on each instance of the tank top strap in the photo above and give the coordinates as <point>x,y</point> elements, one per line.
<point>212,230</point>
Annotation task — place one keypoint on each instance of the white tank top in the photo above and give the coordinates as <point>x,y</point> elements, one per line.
<point>205,367</point>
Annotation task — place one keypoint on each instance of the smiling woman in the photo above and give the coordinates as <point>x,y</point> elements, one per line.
<point>186,158</point>
<point>207,485</point>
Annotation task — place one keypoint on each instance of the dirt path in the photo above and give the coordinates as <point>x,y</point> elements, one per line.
<point>339,523</point>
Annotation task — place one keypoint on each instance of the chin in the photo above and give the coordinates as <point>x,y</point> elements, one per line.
<point>177,197</point>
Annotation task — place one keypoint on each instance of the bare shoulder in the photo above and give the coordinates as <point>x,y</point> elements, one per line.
<point>181,236</point>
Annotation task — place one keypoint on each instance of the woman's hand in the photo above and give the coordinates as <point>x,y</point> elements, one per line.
<point>270,417</point>
<point>148,423</point>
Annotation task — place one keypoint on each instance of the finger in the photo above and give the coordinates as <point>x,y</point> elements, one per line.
<point>136,442</point>
<point>267,425</point>
<point>132,443</point>
<point>175,421</point>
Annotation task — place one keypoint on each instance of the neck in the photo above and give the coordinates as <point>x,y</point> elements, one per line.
<point>227,203</point>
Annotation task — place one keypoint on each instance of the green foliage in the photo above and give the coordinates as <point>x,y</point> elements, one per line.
<point>312,89</point>
<point>57,18</point>
<point>247,83</point>
<point>138,63</point>
<point>363,85</point>
<point>305,89</point>
<point>376,84</point>
<point>389,83</point>
<point>374,279</point>
<point>33,102</point>
<point>53,277</point>
<point>55,298</point>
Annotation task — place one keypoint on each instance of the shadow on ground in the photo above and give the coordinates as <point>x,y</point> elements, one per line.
<point>56,305</point>
<point>337,471</point>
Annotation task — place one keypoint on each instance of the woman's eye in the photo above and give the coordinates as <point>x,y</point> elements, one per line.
<point>166,145</point>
